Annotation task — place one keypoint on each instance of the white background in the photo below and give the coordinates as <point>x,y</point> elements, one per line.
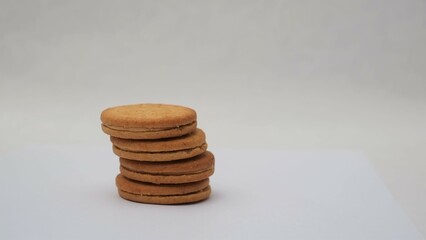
<point>261,74</point>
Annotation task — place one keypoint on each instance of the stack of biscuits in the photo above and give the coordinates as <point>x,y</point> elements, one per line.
<point>163,155</point>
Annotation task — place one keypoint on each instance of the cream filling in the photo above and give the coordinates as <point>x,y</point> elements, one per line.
<point>136,129</point>
<point>168,174</point>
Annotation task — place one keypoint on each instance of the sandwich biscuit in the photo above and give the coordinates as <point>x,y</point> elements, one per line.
<point>162,193</point>
<point>148,121</point>
<point>172,172</point>
<point>161,150</point>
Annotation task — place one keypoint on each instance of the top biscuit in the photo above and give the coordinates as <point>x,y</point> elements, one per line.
<point>148,121</point>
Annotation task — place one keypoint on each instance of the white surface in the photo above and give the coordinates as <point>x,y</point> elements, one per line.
<point>68,192</point>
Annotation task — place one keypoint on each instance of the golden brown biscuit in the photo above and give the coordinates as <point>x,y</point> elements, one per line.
<point>162,193</point>
<point>137,187</point>
<point>172,199</point>
<point>168,149</point>
<point>148,121</point>
<point>182,171</point>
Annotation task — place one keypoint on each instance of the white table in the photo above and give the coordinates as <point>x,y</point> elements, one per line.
<point>68,192</point>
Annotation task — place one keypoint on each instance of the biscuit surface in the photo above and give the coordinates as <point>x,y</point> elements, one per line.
<point>148,121</point>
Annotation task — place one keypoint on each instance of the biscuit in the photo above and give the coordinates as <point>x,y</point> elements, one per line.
<point>162,193</point>
<point>168,149</point>
<point>172,199</point>
<point>172,172</point>
<point>148,121</point>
